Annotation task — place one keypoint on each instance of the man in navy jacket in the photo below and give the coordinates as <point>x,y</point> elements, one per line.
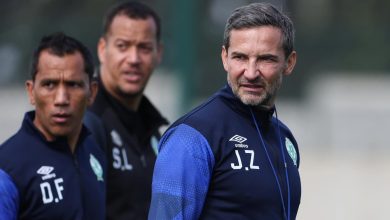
<point>230,158</point>
<point>52,168</point>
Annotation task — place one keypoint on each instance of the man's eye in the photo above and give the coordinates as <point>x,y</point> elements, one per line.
<point>238,57</point>
<point>121,46</point>
<point>48,85</point>
<point>270,59</point>
<point>146,48</point>
<point>75,85</point>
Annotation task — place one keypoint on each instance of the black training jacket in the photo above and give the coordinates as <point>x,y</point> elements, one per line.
<point>130,140</point>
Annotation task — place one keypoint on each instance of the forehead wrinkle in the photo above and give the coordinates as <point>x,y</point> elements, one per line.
<point>61,67</point>
<point>253,41</point>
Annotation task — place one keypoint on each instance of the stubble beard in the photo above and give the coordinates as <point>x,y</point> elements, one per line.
<point>264,99</point>
<point>129,95</point>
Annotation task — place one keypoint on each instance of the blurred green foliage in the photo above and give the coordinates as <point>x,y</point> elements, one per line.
<point>331,35</point>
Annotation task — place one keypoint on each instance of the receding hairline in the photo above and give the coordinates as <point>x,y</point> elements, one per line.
<point>52,53</point>
<point>124,15</point>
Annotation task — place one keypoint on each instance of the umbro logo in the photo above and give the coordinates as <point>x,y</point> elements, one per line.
<point>52,190</point>
<point>45,171</point>
<point>238,138</point>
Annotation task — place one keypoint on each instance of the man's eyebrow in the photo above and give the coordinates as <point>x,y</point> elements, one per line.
<point>267,56</point>
<point>121,40</point>
<point>235,53</point>
<point>77,81</point>
<point>46,80</point>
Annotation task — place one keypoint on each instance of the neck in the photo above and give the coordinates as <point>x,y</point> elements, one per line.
<point>72,142</point>
<point>262,107</point>
<point>71,138</point>
<point>130,102</point>
<point>266,105</point>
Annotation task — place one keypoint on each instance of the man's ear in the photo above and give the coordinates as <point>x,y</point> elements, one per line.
<point>93,88</point>
<point>290,63</point>
<point>224,57</point>
<point>101,49</point>
<point>29,88</point>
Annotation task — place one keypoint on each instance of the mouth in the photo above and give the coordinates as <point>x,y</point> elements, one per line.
<point>252,87</point>
<point>61,118</point>
<point>131,76</point>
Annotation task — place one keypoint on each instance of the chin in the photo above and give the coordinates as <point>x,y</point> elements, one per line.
<point>63,131</point>
<point>130,93</point>
<point>133,91</point>
<point>251,99</point>
<point>251,102</point>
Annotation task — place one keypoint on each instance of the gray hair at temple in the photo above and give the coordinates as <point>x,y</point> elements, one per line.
<point>260,14</point>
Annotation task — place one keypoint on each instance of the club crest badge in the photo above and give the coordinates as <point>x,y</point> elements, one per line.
<point>116,138</point>
<point>291,151</point>
<point>96,167</point>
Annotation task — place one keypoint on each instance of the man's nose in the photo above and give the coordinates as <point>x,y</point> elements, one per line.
<point>61,96</point>
<point>252,71</point>
<point>132,56</point>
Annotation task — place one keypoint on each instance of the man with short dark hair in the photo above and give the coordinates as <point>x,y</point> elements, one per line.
<point>52,168</point>
<point>230,158</point>
<point>129,50</point>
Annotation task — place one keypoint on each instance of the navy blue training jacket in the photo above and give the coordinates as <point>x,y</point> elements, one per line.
<point>213,164</point>
<point>44,180</point>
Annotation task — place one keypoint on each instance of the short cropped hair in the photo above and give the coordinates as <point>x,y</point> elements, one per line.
<point>133,10</point>
<point>260,14</point>
<point>60,45</point>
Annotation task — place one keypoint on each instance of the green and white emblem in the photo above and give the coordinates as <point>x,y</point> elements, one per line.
<point>291,151</point>
<point>96,167</point>
<point>116,138</point>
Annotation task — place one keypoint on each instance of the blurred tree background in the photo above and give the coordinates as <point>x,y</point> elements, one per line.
<point>331,36</point>
<point>335,102</point>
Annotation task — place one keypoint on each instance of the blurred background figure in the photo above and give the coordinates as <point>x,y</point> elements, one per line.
<point>336,102</point>
<point>128,50</point>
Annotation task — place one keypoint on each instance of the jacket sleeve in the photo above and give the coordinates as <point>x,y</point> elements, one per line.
<point>9,198</point>
<point>181,175</point>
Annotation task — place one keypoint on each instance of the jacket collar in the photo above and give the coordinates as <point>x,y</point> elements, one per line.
<point>144,122</point>
<point>59,143</point>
